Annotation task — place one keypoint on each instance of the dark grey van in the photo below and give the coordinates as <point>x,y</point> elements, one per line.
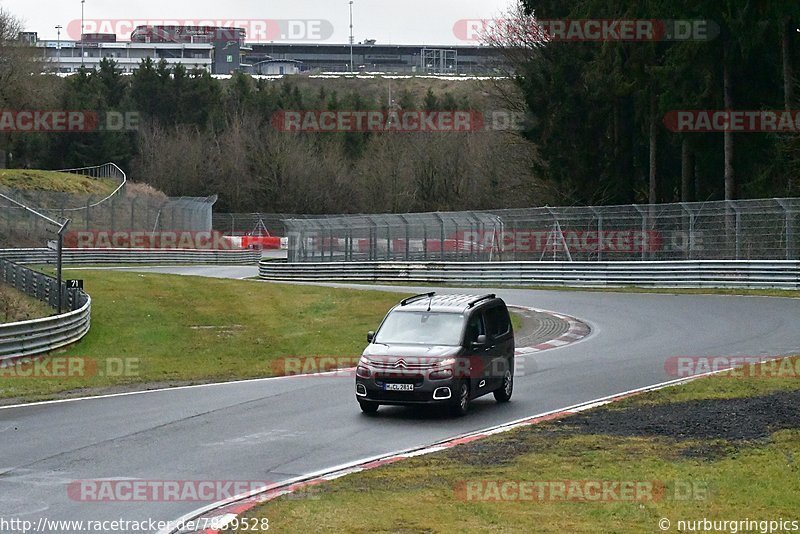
<point>438,350</point>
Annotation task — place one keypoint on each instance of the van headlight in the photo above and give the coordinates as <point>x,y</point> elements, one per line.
<point>443,369</point>
<point>441,374</point>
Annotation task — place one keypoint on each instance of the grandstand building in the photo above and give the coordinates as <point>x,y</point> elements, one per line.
<point>223,50</point>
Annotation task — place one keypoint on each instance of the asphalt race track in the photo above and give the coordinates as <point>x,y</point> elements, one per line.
<point>277,429</point>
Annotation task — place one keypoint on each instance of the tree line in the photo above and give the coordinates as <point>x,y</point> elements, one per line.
<point>595,132</point>
<point>196,135</point>
<point>600,106</point>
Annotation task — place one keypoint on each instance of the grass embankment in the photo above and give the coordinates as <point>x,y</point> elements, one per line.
<point>179,330</point>
<point>17,306</point>
<point>717,448</point>
<point>64,182</point>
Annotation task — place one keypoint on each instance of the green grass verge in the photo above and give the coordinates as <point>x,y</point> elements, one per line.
<point>56,181</point>
<point>17,306</point>
<point>186,330</point>
<point>756,479</point>
<point>516,320</point>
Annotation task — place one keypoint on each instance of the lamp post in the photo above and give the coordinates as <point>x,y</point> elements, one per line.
<point>58,47</point>
<point>83,2</point>
<point>352,40</point>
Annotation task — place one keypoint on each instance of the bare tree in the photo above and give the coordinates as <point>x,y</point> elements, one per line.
<point>18,61</point>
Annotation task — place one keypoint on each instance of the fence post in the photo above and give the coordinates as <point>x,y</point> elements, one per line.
<point>599,217</point>
<point>690,236</point>
<point>113,214</point>
<point>408,236</point>
<point>389,251</point>
<point>348,244</point>
<point>441,235</point>
<point>788,228</point>
<point>133,217</point>
<point>424,241</point>
<point>737,229</point>
<point>644,228</point>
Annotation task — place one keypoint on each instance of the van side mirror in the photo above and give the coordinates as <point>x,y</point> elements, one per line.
<point>370,336</point>
<point>481,341</point>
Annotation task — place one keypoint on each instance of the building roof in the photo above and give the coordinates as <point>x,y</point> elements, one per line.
<point>278,61</point>
<point>123,44</point>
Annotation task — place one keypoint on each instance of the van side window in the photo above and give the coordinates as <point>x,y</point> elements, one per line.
<point>497,321</point>
<point>475,328</point>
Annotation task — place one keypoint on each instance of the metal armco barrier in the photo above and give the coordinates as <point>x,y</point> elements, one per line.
<point>29,338</point>
<point>681,274</point>
<point>134,256</point>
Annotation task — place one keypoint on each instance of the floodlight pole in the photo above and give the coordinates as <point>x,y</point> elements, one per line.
<point>58,46</point>
<point>59,247</point>
<point>352,39</point>
<point>83,2</point>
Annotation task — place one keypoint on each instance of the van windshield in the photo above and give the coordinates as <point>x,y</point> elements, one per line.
<point>424,328</point>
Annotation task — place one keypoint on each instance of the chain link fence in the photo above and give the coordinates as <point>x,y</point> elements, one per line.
<point>766,229</point>
<point>237,224</point>
<point>126,208</point>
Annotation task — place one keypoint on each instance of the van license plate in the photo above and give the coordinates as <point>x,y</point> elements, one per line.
<point>398,387</point>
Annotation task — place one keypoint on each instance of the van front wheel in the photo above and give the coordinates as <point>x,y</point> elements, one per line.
<point>460,404</point>
<point>503,394</point>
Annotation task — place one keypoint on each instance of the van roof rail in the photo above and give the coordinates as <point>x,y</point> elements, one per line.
<point>417,297</point>
<point>476,300</point>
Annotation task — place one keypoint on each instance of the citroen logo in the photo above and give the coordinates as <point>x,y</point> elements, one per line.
<point>400,363</point>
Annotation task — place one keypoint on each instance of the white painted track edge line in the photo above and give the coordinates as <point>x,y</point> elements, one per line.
<point>503,427</point>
